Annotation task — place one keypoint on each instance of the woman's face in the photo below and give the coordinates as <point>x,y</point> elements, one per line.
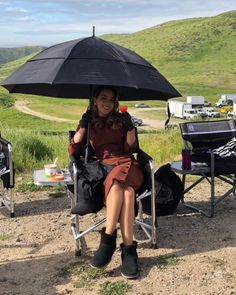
<point>105,102</point>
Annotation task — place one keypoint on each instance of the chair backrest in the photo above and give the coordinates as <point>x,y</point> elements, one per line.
<point>208,134</point>
<point>6,149</point>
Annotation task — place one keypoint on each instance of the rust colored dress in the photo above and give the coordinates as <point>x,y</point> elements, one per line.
<point>111,148</point>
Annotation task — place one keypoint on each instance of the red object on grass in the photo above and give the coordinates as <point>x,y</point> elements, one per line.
<point>123,109</point>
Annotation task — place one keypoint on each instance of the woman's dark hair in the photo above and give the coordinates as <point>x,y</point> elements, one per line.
<point>99,89</point>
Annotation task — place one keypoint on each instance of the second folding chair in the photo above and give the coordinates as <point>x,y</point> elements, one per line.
<point>213,148</point>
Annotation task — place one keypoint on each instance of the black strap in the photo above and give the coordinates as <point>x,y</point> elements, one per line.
<point>168,113</point>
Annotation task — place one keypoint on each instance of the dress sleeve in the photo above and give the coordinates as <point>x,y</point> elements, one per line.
<point>129,149</point>
<point>76,148</point>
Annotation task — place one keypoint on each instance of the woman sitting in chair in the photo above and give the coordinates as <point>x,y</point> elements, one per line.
<point>112,136</point>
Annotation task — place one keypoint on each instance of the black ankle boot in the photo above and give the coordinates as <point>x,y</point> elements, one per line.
<point>129,257</point>
<point>105,250</point>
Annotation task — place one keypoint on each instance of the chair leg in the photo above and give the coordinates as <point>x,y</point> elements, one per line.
<point>183,181</point>
<point>212,184</point>
<point>7,200</point>
<point>77,241</point>
<point>150,229</point>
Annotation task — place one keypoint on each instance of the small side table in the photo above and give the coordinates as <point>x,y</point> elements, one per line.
<point>40,178</point>
<point>198,169</point>
<point>176,166</point>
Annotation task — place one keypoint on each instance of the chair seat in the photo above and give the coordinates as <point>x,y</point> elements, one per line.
<point>222,165</point>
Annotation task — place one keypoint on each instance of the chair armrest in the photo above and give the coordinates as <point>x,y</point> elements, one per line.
<point>147,164</point>
<point>73,159</point>
<point>143,157</point>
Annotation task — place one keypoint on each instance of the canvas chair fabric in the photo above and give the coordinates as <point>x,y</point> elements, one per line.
<point>7,176</point>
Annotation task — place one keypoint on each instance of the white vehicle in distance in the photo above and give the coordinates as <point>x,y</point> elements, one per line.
<point>191,114</point>
<point>212,113</point>
<point>141,105</point>
<point>202,113</point>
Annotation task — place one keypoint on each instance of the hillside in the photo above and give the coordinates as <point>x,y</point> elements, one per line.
<point>196,55</point>
<point>9,54</point>
<point>7,68</point>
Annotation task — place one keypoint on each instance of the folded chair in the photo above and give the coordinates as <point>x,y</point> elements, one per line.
<point>6,176</point>
<point>149,225</point>
<point>207,141</point>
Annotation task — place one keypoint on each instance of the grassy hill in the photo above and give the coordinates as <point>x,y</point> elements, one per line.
<point>8,68</point>
<point>9,54</point>
<point>196,55</point>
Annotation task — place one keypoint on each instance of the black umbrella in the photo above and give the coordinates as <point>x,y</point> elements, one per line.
<point>72,68</point>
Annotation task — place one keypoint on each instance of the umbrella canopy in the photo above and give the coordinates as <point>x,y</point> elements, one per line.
<point>72,68</point>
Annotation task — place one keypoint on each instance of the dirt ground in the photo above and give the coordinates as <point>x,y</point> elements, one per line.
<point>195,254</point>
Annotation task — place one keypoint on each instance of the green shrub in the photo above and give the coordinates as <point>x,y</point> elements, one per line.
<point>6,101</point>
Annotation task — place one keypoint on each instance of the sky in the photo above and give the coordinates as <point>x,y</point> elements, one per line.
<point>48,22</point>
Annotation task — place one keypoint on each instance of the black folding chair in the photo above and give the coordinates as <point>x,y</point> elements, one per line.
<point>205,139</point>
<point>149,225</point>
<point>6,176</point>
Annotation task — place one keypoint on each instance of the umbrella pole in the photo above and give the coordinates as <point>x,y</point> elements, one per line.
<point>88,131</point>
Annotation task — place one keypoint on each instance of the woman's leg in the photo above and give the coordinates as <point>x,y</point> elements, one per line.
<point>127,216</point>
<point>107,245</point>
<point>129,256</point>
<point>114,203</point>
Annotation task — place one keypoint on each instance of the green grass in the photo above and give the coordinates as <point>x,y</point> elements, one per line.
<point>6,100</point>
<point>83,275</point>
<point>32,149</point>
<point>4,237</point>
<point>162,146</point>
<point>115,288</point>
<point>165,261</point>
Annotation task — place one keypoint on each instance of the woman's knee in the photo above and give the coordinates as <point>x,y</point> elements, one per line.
<point>129,194</point>
<point>129,190</point>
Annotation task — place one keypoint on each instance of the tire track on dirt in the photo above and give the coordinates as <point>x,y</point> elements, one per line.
<point>21,106</point>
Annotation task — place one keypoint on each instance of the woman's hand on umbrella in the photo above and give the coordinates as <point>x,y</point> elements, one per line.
<point>86,119</point>
<point>127,121</point>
